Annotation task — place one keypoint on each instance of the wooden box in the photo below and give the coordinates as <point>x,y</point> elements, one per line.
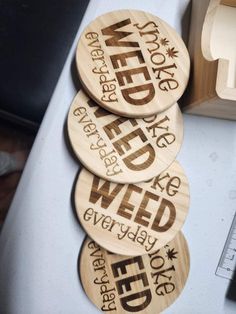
<point>212,47</point>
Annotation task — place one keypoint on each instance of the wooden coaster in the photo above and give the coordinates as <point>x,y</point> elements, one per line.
<point>120,149</point>
<point>132,63</point>
<point>141,284</point>
<point>133,219</point>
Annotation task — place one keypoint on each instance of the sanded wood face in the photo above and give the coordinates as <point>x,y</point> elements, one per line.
<point>120,149</point>
<point>212,88</point>
<point>133,219</point>
<point>142,284</point>
<point>219,43</point>
<point>132,63</point>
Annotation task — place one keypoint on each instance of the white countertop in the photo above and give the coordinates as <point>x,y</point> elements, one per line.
<point>41,237</point>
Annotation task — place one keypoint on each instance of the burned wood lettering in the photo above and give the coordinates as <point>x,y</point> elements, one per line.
<point>140,284</point>
<point>107,83</point>
<point>137,65</point>
<point>137,205</point>
<point>118,128</point>
<point>165,73</point>
<point>135,95</point>
<point>162,275</point>
<point>136,234</point>
<point>166,138</point>
<point>123,147</point>
<point>171,184</point>
<point>98,143</point>
<point>126,209</point>
<point>126,283</point>
<point>107,290</point>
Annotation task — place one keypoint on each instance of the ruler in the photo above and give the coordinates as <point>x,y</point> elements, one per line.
<point>227,263</point>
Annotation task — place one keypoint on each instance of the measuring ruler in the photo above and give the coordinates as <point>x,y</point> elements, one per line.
<point>227,263</point>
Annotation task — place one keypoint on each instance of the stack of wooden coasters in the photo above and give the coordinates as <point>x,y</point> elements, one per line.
<point>126,128</point>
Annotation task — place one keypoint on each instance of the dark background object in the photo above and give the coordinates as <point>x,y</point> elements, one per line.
<point>35,39</point>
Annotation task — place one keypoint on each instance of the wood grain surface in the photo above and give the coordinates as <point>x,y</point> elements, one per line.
<point>219,43</point>
<point>133,219</point>
<point>145,284</point>
<point>120,149</point>
<point>132,63</point>
<point>212,47</point>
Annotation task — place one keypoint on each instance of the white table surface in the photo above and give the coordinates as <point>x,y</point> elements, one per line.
<point>41,237</point>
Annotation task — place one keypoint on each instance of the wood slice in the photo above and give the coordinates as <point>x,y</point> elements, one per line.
<point>142,284</point>
<point>120,149</point>
<point>132,63</point>
<point>133,219</point>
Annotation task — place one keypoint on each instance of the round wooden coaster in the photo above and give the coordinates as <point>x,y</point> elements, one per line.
<point>132,63</point>
<point>142,284</point>
<point>120,149</point>
<point>133,219</point>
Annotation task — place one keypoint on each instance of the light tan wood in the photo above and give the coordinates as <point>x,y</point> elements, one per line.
<point>212,47</point>
<point>219,43</point>
<point>145,284</point>
<point>133,219</point>
<point>228,2</point>
<point>120,149</point>
<point>132,63</point>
